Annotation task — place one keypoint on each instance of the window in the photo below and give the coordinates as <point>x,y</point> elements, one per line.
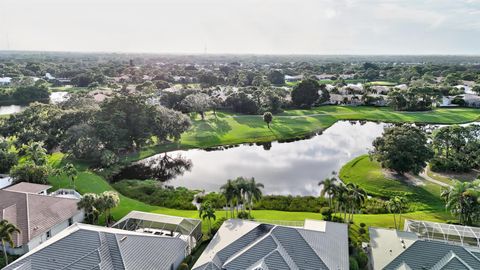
<point>49,234</point>
<point>70,221</point>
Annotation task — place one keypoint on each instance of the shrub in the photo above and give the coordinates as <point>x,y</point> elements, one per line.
<point>152,192</point>
<point>216,226</point>
<point>362,259</point>
<point>244,215</point>
<point>363,225</point>
<point>183,266</point>
<point>353,264</point>
<point>362,231</point>
<point>326,213</point>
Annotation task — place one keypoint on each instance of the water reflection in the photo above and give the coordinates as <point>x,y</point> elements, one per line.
<point>286,168</point>
<point>162,167</point>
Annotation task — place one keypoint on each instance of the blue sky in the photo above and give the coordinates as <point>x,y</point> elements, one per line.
<point>243,26</point>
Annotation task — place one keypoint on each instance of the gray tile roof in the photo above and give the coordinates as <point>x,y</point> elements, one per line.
<point>249,245</point>
<point>34,214</point>
<point>92,247</point>
<point>435,255</point>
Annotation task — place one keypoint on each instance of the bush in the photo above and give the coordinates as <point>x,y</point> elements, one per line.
<point>183,266</point>
<point>216,226</point>
<point>244,215</point>
<point>216,200</point>
<point>291,203</point>
<point>353,264</point>
<point>362,231</point>
<point>337,219</point>
<point>152,192</point>
<point>326,213</point>
<point>362,259</point>
<point>363,225</point>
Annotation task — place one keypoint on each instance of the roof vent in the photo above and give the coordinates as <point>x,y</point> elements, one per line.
<point>123,239</point>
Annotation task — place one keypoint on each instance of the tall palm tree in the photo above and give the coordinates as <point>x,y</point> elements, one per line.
<point>341,195</point>
<point>108,200</point>
<point>88,202</point>
<point>328,188</point>
<point>228,190</point>
<point>254,193</point>
<point>240,192</point>
<point>206,211</point>
<point>462,199</point>
<point>357,197</point>
<point>397,205</point>
<point>7,230</point>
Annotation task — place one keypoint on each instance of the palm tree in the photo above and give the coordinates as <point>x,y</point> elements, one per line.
<point>397,204</point>
<point>328,188</point>
<point>206,211</point>
<point>7,230</point>
<point>357,197</point>
<point>228,190</point>
<point>341,195</point>
<point>71,172</point>
<point>108,200</point>
<point>254,193</point>
<point>89,202</point>
<point>240,188</point>
<point>462,199</point>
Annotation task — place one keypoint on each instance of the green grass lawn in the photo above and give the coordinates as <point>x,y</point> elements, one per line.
<point>382,83</point>
<point>424,199</point>
<point>228,128</point>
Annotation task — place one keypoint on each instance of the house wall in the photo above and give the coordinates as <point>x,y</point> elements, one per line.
<point>54,230</point>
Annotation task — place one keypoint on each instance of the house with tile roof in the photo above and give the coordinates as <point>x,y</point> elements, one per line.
<point>83,246</point>
<point>37,215</point>
<point>242,244</point>
<point>407,250</point>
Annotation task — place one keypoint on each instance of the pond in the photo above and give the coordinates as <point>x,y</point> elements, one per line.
<point>55,97</point>
<point>292,168</point>
<point>11,109</point>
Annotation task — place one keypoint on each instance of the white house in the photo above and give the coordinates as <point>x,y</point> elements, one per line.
<point>38,216</point>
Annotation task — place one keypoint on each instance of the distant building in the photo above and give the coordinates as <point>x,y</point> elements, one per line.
<point>37,215</point>
<point>5,81</point>
<point>82,246</point>
<point>425,245</point>
<point>242,244</point>
<point>296,78</point>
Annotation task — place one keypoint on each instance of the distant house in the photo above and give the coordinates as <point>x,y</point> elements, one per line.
<point>82,246</point>
<point>241,244</point>
<point>296,78</point>
<point>5,81</point>
<point>425,245</point>
<point>37,215</point>
<point>471,100</point>
<point>325,76</point>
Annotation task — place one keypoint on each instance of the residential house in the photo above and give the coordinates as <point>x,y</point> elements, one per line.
<point>295,78</point>
<point>242,244</point>
<point>38,216</point>
<point>5,81</point>
<point>82,246</point>
<point>425,245</point>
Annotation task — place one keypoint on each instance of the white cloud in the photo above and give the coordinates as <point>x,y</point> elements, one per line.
<point>242,26</point>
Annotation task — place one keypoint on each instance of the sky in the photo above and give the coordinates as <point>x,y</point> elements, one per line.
<point>243,26</point>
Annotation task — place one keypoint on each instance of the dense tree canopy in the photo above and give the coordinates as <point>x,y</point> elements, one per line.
<point>402,149</point>
<point>305,94</point>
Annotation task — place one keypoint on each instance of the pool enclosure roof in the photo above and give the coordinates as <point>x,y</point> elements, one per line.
<point>451,233</point>
<point>138,220</point>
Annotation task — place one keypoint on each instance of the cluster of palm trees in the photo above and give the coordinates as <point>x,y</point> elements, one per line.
<point>397,205</point>
<point>7,230</point>
<point>241,193</point>
<point>95,205</point>
<point>347,199</point>
<point>463,201</point>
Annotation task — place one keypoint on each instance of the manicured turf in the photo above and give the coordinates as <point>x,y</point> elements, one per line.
<point>424,199</point>
<point>228,128</point>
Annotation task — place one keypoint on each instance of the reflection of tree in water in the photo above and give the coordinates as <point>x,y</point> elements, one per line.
<point>161,168</point>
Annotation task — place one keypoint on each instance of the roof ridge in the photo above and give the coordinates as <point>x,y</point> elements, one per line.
<point>248,247</point>
<point>288,259</point>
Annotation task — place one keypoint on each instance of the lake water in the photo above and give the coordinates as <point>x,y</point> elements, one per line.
<point>286,168</point>
<point>55,97</point>
<point>11,109</point>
